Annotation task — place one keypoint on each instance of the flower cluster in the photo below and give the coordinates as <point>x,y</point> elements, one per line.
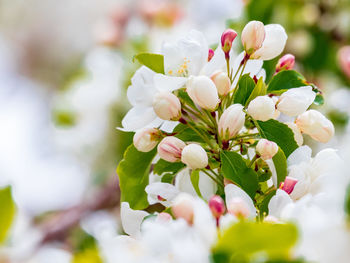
<point>213,126</point>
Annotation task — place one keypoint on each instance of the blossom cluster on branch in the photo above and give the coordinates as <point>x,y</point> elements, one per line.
<point>218,151</point>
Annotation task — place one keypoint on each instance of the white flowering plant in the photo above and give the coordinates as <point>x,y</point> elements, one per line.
<point>218,152</point>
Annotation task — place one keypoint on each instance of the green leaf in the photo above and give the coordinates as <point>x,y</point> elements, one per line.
<point>235,169</point>
<point>259,90</point>
<point>245,87</point>
<point>185,133</point>
<point>7,212</point>
<point>279,133</point>
<point>183,96</point>
<point>264,206</point>
<point>152,61</point>
<point>319,100</point>
<point>168,178</point>
<point>280,162</point>
<point>163,166</point>
<point>285,80</point>
<point>195,182</point>
<point>133,172</point>
<point>245,239</point>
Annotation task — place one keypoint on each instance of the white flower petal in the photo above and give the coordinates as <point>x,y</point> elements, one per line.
<point>278,203</point>
<point>273,45</point>
<point>131,219</point>
<point>232,191</point>
<point>253,66</point>
<point>272,168</point>
<point>302,154</point>
<point>168,83</point>
<point>164,190</point>
<point>168,126</point>
<point>217,62</point>
<point>139,117</point>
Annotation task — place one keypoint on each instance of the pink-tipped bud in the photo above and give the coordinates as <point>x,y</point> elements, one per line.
<point>194,156</point>
<point>170,149</point>
<point>163,217</point>
<point>288,184</point>
<point>316,125</point>
<point>231,122</point>
<point>344,60</point>
<point>253,36</point>
<point>285,63</point>
<point>167,106</point>
<point>146,139</point>
<point>210,54</point>
<point>267,149</point>
<point>183,207</point>
<point>238,208</point>
<point>227,38</point>
<point>217,206</point>
<point>222,82</point>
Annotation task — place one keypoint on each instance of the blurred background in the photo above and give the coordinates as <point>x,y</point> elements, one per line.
<point>64,70</point>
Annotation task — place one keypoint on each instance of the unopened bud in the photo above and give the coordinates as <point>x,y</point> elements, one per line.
<point>288,184</point>
<point>253,36</point>
<point>203,92</point>
<point>170,149</point>
<point>210,54</point>
<point>146,139</point>
<point>261,108</point>
<point>238,208</point>
<point>298,137</point>
<point>194,156</point>
<point>295,101</point>
<point>285,63</point>
<point>267,149</point>
<point>231,122</point>
<point>217,206</point>
<point>222,82</point>
<point>183,207</point>
<point>227,38</point>
<point>167,106</point>
<point>316,125</point>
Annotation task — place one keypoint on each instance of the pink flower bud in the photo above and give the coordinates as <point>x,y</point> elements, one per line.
<point>146,139</point>
<point>227,38</point>
<point>210,54</point>
<point>344,60</point>
<point>231,122</point>
<point>316,125</point>
<point>253,36</point>
<point>288,184</point>
<point>267,149</point>
<point>183,207</point>
<point>203,92</point>
<point>285,63</point>
<point>194,156</point>
<point>167,106</point>
<point>222,82</point>
<point>163,217</point>
<point>261,108</point>
<point>217,206</point>
<point>170,149</point>
<point>238,208</point>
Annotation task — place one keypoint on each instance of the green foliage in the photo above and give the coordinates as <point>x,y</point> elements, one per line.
<point>280,162</point>
<point>244,240</point>
<point>185,133</point>
<point>235,169</point>
<point>347,202</point>
<point>285,80</point>
<point>7,212</point>
<point>259,90</point>
<point>133,172</point>
<point>85,249</point>
<point>152,61</point>
<point>264,205</point>
<point>163,166</point>
<point>279,133</point>
<point>195,182</point>
<point>245,87</point>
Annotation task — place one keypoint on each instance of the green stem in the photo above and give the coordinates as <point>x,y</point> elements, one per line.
<point>213,178</point>
<point>253,160</point>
